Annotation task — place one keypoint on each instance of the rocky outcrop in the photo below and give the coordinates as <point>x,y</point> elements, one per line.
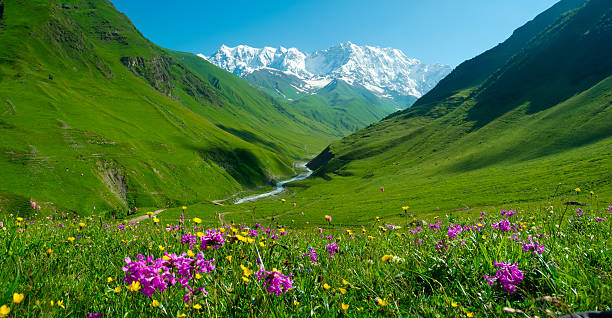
<point>155,70</point>
<point>113,176</point>
<point>165,74</point>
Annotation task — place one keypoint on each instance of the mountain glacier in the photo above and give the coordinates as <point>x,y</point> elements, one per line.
<point>386,72</point>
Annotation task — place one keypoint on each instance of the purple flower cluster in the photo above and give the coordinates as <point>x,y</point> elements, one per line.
<point>312,253</point>
<point>503,225</point>
<point>332,249</point>
<point>435,226</point>
<point>276,282</point>
<point>189,238</point>
<point>598,219</point>
<point>212,238</point>
<point>535,246</point>
<point>417,230</point>
<point>507,213</point>
<point>454,230</point>
<point>508,275</point>
<point>157,274</point>
<point>441,247</point>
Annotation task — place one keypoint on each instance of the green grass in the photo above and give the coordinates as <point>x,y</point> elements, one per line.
<point>428,273</point>
<point>94,114</point>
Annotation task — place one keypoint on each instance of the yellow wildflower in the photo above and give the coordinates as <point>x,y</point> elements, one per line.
<point>82,224</point>
<point>117,289</point>
<point>17,298</point>
<point>262,244</point>
<point>134,287</point>
<point>387,257</point>
<point>246,280</point>
<point>453,304</point>
<point>382,302</point>
<point>246,271</point>
<point>166,258</point>
<point>161,248</point>
<point>110,279</point>
<point>229,258</point>
<point>198,276</point>
<point>197,306</point>
<point>342,290</point>
<point>295,302</point>
<point>155,303</point>
<point>577,189</point>
<point>156,220</point>
<point>4,311</point>
<point>344,282</point>
<point>197,220</point>
<point>326,286</point>
<point>405,208</point>
<point>60,303</point>
<point>71,239</point>
<point>344,306</point>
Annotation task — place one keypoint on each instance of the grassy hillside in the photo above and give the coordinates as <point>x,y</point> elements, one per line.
<point>540,117</point>
<point>523,124</point>
<point>92,113</point>
<point>346,108</point>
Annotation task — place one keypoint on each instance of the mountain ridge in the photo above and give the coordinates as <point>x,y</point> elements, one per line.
<point>384,71</point>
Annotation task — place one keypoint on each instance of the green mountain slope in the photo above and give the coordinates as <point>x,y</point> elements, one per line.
<point>345,107</point>
<point>276,83</point>
<point>506,126</point>
<point>92,113</point>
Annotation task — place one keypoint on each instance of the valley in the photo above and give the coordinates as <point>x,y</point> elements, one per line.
<point>137,180</point>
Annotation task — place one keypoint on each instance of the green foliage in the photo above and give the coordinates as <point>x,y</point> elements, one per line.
<point>416,269</point>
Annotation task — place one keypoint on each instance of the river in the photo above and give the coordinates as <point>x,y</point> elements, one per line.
<point>280,187</point>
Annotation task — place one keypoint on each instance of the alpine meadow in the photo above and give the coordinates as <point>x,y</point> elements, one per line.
<point>261,179</point>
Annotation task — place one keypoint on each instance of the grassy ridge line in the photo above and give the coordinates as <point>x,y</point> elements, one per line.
<point>82,129</point>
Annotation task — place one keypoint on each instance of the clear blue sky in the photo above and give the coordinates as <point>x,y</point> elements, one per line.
<point>446,31</point>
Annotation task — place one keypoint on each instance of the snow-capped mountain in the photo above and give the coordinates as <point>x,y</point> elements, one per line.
<point>387,72</point>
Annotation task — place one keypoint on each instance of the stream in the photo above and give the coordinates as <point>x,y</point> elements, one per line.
<point>280,187</point>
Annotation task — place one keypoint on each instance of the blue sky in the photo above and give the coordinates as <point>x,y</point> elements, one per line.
<point>446,31</point>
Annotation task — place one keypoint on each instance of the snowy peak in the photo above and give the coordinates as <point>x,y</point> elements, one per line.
<point>384,71</point>
<point>243,60</point>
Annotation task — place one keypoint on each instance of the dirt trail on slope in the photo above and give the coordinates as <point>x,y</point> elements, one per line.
<point>144,217</point>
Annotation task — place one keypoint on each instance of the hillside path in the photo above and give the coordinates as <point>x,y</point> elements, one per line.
<point>144,217</point>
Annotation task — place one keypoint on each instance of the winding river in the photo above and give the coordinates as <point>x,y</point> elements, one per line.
<point>280,187</point>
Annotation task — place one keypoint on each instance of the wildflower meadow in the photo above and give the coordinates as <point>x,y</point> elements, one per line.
<point>510,263</point>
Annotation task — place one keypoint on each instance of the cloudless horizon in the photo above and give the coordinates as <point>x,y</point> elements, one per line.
<point>444,31</point>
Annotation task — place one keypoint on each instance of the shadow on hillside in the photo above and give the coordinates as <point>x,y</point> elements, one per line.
<point>249,137</point>
<point>241,164</point>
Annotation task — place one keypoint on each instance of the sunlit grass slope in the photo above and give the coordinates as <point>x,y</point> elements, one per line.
<point>94,114</point>
<point>524,123</point>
